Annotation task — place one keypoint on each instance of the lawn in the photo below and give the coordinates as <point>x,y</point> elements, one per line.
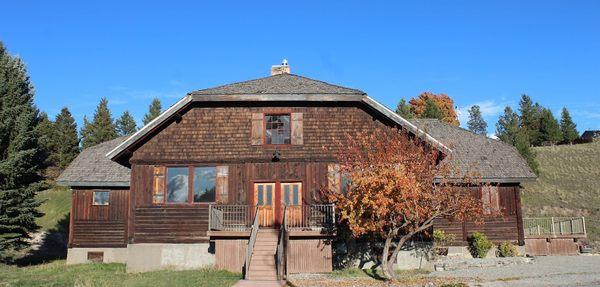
<point>58,274</point>
<point>567,185</point>
<point>56,206</point>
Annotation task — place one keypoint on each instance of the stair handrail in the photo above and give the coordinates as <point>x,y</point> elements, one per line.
<point>281,257</point>
<point>251,241</point>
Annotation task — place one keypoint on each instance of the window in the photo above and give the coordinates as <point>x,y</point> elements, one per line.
<point>204,184</point>
<point>189,185</point>
<point>292,193</point>
<point>100,198</point>
<point>278,129</point>
<point>177,184</point>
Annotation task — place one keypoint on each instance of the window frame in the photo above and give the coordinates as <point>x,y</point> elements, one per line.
<point>276,113</point>
<point>94,203</point>
<point>190,191</point>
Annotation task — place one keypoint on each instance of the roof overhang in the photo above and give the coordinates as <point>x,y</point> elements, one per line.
<point>190,98</point>
<point>94,183</point>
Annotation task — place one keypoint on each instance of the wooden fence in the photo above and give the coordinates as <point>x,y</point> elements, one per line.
<point>554,226</point>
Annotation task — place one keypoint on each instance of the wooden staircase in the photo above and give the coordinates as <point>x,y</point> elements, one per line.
<point>262,264</point>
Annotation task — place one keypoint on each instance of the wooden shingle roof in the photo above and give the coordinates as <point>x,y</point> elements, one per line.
<point>491,159</point>
<point>92,168</point>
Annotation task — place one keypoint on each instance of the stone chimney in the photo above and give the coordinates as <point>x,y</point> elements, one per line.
<point>284,68</point>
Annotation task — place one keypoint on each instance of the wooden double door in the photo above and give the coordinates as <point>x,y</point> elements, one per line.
<point>272,197</point>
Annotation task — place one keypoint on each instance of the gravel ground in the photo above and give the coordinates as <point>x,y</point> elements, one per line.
<point>544,271</point>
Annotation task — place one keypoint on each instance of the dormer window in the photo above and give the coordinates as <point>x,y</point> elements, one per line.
<point>277,129</point>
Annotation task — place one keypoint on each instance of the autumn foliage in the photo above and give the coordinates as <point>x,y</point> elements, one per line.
<point>443,101</point>
<point>397,187</point>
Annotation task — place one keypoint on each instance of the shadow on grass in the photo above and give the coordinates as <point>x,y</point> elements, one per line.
<point>52,245</point>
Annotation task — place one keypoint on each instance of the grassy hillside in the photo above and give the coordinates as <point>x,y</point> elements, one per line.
<point>568,185</point>
<point>56,207</point>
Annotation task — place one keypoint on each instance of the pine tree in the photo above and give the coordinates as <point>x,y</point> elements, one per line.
<point>476,122</point>
<point>403,109</point>
<point>126,124</point>
<point>102,127</point>
<point>20,155</point>
<point>65,141</point>
<point>529,119</point>
<point>45,130</point>
<point>567,127</point>
<point>508,126</point>
<point>154,110</point>
<point>549,131</point>
<point>509,131</point>
<point>432,111</point>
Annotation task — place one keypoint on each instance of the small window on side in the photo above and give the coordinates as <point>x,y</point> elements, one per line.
<point>100,198</point>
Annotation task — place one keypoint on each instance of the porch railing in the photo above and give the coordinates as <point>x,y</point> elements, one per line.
<point>310,217</point>
<point>251,241</point>
<point>230,217</point>
<point>315,217</point>
<point>554,226</point>
<point>280,255</point>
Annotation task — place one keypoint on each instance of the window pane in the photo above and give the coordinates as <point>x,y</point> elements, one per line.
<point>286,194</point>
<point>205,184</point>
<point>296,194</point>
<point>177,185</point>
<point>269,195</point>
<point>278,129</point>
<point>346,181</point>
<point>260,195</point>
<point>100,198</point>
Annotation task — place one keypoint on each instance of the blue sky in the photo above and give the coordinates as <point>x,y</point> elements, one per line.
<point>477,52</point>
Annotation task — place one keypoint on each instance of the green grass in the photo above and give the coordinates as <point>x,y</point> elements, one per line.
<point>568,185</point>
<point>56,206</point>
<point>59,274</point>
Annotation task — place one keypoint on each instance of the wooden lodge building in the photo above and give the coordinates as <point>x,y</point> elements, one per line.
<point>229,176</point>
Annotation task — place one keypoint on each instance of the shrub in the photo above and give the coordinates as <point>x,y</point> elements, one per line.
<point>507,249</point>
<point>479,245</point>
<point>440,238</point>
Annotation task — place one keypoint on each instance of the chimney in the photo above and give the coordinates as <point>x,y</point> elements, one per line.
<point>284,68</point>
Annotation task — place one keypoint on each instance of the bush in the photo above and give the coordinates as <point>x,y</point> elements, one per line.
<point>507,249</point>
<point>440,238</point>
<point>479,245</point>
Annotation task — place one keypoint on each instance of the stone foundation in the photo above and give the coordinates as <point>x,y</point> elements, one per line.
<point>143,257</point>
<point>109,255</point>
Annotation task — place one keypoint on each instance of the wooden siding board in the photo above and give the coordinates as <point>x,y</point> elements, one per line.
<point>309,256</point>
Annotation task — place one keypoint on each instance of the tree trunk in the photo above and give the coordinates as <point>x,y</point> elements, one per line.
<point>384,259</point>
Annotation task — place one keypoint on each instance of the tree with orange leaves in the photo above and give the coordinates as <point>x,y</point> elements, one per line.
<point>444,103</point>
<point>397,187</point>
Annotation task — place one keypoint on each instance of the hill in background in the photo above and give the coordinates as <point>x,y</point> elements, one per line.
<point>568,185</point>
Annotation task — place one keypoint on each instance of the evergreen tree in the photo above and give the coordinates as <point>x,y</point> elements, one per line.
<point>567,127</point>
<point>509,131</point>
<point>65,139</point>
<point>20,155</point>
<point>476,122</point>
<point>102,127</point>
<point>126,124</point>
<point>549,132</point>
<point>403,109</point>
<point>153,111</point>
<point>529,119</point>
<point>432,111</point>
<point>45,130</point>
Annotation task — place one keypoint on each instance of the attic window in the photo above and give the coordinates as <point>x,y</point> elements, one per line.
<point>278,129</point>
<point>100,197</point>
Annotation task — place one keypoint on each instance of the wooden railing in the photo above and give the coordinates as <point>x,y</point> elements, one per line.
<point>281,257</point>
<point>554,226</point>
<point>230,217</point>
<point>310,217</point>
<point>250,248</point>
